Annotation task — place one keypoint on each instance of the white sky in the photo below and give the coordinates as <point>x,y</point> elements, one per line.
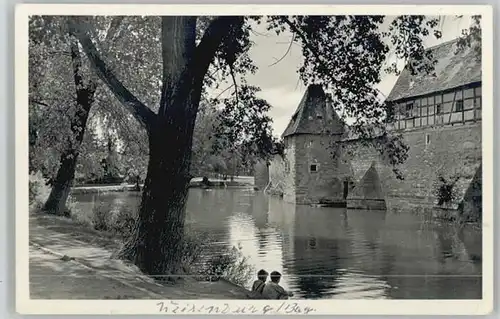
<point>280,83</point>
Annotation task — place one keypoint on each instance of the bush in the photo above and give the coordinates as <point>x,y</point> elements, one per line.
<point>123,222</point>
<point>231,265</point>
<point>39,191</point>
<point>100,218</point>
<point>120,223</point>
<point>193,248</point>
<point>208,262</point>
<point>444,189</point>
<point>240,271</point>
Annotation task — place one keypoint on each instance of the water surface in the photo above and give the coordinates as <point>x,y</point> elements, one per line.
<point>335,252</point>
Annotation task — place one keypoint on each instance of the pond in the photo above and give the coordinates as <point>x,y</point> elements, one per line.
<point>335,252</point>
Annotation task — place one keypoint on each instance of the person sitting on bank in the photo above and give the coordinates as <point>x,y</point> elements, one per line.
<point>259,284</point>
<point>272,290</point>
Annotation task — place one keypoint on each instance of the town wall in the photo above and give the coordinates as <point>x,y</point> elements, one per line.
<point>446,150</point>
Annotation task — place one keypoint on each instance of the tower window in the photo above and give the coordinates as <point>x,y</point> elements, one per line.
<point>313,168</point>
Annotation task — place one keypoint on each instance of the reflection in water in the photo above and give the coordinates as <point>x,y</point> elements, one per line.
<point>334,252</point>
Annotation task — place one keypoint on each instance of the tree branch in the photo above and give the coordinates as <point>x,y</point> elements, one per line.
<point>231,69</point>
<point>223,91</point>
<point>204,53</point>
<point>39,103</point>
<point>141,112</point>
<point>286,53</point>
<point>298,32</point>
<point>105,46</point>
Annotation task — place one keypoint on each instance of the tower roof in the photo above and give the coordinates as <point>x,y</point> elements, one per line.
<point>453,69</point>
<point>314,115</point>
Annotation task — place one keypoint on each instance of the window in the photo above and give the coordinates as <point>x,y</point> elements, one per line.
<point>477,103</point>
<point>427,139</point>
<point>409,109</point>
<point>459,106</point>
<point>438,109</point>
<point>313,168</point>
<point>478,91</point>
<point>438,98</point>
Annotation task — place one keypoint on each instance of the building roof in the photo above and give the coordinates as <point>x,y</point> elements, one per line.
<point>314,115</point>
<point>453,69</point>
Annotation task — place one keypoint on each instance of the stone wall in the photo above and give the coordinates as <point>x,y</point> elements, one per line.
<point>447,151</point>
<point>324,186</point>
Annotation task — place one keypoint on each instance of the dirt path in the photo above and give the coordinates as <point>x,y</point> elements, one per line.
<point>67,262</point>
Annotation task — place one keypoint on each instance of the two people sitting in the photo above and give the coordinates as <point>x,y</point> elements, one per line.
<point>271,289</point>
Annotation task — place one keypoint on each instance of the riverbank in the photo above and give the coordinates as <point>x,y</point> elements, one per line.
<point>196,182</point>
<point>68,260</point>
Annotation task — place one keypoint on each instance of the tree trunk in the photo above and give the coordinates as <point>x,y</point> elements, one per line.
<point>56,203</point>
<point>156,245</point>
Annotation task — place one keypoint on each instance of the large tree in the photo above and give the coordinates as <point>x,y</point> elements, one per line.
<point>345,54</point>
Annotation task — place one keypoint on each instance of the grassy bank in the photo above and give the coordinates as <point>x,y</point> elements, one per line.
<point>68,260</point>
<point>109,229</point>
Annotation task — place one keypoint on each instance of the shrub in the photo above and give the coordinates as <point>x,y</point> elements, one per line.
<point>193,246</point>
<point>217,265</point>
<point>39,191</point>
<point>240,271</point>
<point>101,218</point>
<point>123,222</point>
<point>71,206</point>
<point>231,265</point>
<point>444,189</point>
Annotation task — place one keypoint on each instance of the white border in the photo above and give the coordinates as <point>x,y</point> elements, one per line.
<point>26,305</point>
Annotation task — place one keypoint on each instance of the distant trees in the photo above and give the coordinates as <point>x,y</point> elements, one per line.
<point>59,113</point>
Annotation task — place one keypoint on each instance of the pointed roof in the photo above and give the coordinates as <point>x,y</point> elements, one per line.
<point>314,115</point>
<point>453,69</point>
<point>369,186</point>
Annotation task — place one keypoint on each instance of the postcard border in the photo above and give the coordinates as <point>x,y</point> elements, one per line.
<point>25,305</point>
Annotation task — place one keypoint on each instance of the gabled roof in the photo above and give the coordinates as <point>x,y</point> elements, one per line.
<point>453,69</point>
<point>314,115</point>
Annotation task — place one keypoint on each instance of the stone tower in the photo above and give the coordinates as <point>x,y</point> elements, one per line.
<point>311,169</point>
